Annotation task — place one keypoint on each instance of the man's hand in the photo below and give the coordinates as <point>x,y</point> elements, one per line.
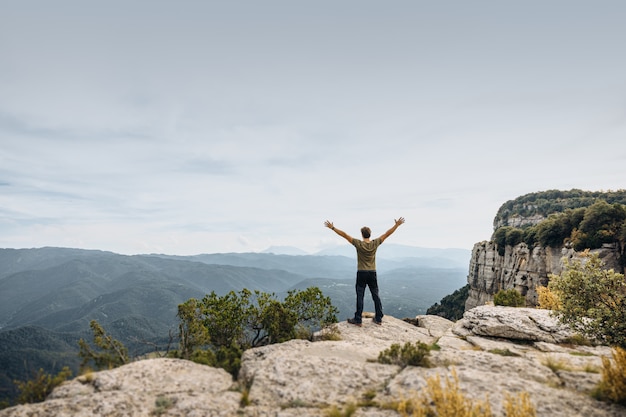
<point>341,233</point>
<point>393,229</point>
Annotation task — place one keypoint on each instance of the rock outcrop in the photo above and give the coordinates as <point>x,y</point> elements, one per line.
<point>150,387</point>
<point>520,267</point>
<point>492,350</point>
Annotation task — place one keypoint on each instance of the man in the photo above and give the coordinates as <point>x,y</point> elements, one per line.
<point>366,268</point>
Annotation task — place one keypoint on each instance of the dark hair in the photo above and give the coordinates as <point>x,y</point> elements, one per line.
<point>366,232</point>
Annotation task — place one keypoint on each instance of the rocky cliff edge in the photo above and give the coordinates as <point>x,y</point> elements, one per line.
<point>522,268</point>
<point>493,350</point>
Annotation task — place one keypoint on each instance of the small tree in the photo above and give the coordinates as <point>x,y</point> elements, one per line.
<point>226,317</point>
<point>499,238</point>
<point>601,223</point>
<point>509,298</point>
<point>217,329</point>
<point>191,331</point>
<point>276,323</point>
<point>108,354</point>
<point>37,389</point>
<point>592,300</point>
<point>312,310</point>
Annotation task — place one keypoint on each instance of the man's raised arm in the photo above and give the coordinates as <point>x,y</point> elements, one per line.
<point>393,229</point>
<point>338,231</point>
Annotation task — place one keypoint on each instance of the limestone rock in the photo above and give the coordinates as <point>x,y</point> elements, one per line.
<point>169,387</point>
<point>522,324</point>
<point>494,351</point>
<point>329,372</point>
<point>301,373</point>
<point>521,268</point>
<point>436,326</point>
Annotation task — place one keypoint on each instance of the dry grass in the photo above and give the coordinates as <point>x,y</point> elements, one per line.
<point>443,398</point>
<point>347,411</point>
<point>613,385</point>
<point>330,333</point>
<point>519,406</point>
<point>556,364</point>
<point>503,352</point>
<point>548,300</point>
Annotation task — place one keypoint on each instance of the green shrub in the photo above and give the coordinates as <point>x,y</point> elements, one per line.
<point>530,236</point>
<point>229,358</point>
<point>509,298</point>
<point>407,355</point>
<point>37,389</point>
<point>203,357</point>
<point>499,238</point>
<point>592,300</point>
<point>601,223</point>
<point>217,329</point>
<point>162,404</point>
<point>514,236</point>
<point>108,353</point>
<point>311,309</point>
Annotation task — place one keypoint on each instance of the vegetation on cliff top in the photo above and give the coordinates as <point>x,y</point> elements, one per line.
<point>581,228</point>
<point>576,218</point>
<point>549,202</point>
<point>553,218</point>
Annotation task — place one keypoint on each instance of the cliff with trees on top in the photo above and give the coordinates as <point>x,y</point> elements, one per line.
<point>537,233</point>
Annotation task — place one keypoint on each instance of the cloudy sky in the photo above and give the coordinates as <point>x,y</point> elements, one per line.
<point>188,127</point>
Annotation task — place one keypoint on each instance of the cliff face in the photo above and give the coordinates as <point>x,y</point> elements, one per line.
<point>520,267</point>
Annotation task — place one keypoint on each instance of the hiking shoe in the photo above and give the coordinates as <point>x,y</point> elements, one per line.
<point>377,322</point>
<point>353,321</point>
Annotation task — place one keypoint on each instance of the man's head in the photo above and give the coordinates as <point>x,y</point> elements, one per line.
<point>366,232</point>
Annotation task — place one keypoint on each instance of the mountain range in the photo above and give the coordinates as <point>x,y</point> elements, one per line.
<point>49,295</point>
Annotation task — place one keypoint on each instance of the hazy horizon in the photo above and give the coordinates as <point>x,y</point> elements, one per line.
<point>194,127</point>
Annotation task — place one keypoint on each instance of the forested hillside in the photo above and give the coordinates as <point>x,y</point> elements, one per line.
<point>48,296</point>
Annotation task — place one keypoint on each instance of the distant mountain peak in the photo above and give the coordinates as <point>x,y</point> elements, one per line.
<point>284,250</point>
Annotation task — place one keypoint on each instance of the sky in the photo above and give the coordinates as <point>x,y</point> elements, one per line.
<point>188,127</point>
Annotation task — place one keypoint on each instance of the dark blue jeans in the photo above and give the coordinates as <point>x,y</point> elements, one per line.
<point>367,279</point>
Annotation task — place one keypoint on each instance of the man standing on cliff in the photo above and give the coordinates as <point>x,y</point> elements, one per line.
<point>366,268</point>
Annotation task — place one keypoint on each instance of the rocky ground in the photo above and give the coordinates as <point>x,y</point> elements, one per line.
<point>492,350</point>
